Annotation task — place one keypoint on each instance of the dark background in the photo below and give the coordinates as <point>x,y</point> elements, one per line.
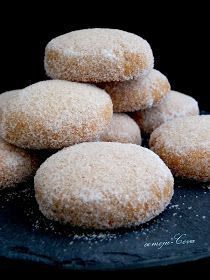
<point>179,45</point>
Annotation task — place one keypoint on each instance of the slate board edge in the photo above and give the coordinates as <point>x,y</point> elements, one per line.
<point>34,260</point>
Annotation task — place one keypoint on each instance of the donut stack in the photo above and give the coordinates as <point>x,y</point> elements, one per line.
<point>94,72</point>
<point>117,61</point>
<point>122,64</point>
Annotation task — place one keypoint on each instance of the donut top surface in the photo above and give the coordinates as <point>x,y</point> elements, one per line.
<point>154,81</point>
<point>122,129</point>
<point>58,102</point>
<point>101,55</point>
<point>138,94</point>
<point>103,171</point>
<point>98,40</point>
<point>176,104</point>
<point>7,95</point>
<point>183,134</point>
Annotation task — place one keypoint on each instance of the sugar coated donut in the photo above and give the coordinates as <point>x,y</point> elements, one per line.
<point>184,145</point>
<point>122,129</point>
<point>175,105</point>
<point>103,185</point>
<point>54,114</point>
<point>98,55</point>
<point>138,94</point>
<point>16,165</point>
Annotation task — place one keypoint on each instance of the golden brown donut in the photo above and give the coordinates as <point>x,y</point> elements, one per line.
<point>184,145</point>
<point>98,55</point>
<point>138,94</point>
<point>174,105</point>
<point>55,114</point>
<point>122,129</point>
<point>16,165</point>
<point>103,185</point>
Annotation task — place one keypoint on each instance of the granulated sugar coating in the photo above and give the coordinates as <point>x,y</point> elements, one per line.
<point>138,94</point>
<point>184,145</point>
<point>54,114</point>
<point>5,96</point>
<point>175,105</point>
<point>103,185</point>
<point>98,55</point>
<point>16,165</point>
<point>122,129</point>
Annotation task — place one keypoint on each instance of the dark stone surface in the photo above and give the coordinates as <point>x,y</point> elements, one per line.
<point>25,235</point>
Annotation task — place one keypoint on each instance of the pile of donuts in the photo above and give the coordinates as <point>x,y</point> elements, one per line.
<point>102,96</point>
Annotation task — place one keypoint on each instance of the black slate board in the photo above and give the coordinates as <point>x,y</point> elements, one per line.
<point>27,236</point>
<point>180,234</point>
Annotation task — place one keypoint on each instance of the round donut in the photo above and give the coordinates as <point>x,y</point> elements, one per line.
<point>55,114</point>
<point>175,105</point>
<point>122,129</point>
<point>16,165</point>
<point>138,94</point>
<point>98,55</point>
<point>103,185</point>
<point>184,145</point>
